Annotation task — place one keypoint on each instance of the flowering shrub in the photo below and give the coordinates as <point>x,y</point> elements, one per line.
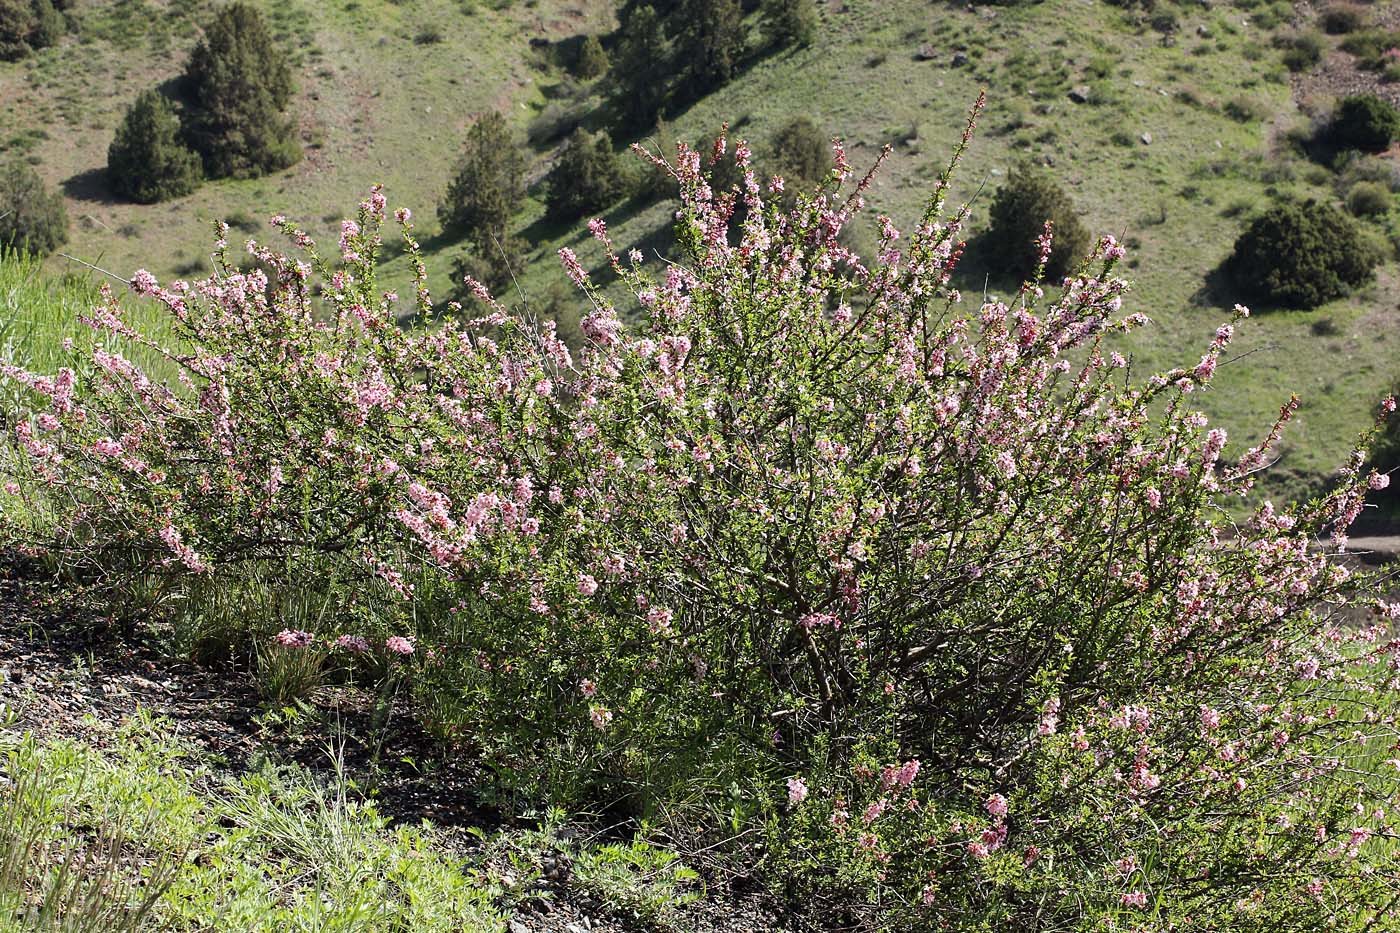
<point>937,594</point>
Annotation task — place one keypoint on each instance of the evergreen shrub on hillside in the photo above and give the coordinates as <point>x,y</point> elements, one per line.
<point>801,153</point>
<point>1365,122</point>
<point>788,22</point>
<point>1019,211</point>
<point>929,607</point>
<point>488,185</point>
<point>26,25</point>
<point>49,25</point>
<point>1371,47</point>
<point>1301,255</point>
<point>1301,51</point>
<point>672,53</point>
<point>239,84</point>
<point>16,26</point>
<point>148,160</point>
<point>1341,18</point>
<point>32,218</point>
<point>592,60</point>
<point>640,77</point>
<point>587,177</point>
<point>1369,198</point>
<point>709,41</point>
<point>493,263</point>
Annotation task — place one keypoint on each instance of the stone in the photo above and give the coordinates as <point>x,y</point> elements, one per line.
<point>1079,93</point>
<point>1146,139</point>
<point>925,53</point>
<point>959,59</point>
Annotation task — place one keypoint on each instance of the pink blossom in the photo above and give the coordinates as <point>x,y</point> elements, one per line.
<point>796,790</point>
<point>143,283</point>
<point>659,619</point>
<point>1136,899</point>
<point>293,638</point>
<point>872,812</point>
<point>398,644</point>
<point>997,806</point>
<point>587,586</point>
<point>573,267</point>
<point>1215,442</point>
<point>600,716</point>
<point>355,644</point>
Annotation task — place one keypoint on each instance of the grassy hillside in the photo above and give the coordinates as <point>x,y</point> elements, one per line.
<point>385,92</point>
<point>1178,143</point>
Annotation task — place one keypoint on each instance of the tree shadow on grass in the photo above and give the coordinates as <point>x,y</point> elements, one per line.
<point>90,187</point>
<point>1220,292</point>
<point>1217,290</point>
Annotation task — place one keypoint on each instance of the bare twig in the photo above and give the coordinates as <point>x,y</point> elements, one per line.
<point>83,262</point>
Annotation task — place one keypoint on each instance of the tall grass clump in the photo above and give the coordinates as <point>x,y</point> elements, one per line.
<point>40,311</point>
<point>934,598</point>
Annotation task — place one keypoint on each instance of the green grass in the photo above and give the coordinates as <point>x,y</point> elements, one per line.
<point>376,106</point>
<point>88,835</point>
<point>132,829</point>
<point>40,310</point>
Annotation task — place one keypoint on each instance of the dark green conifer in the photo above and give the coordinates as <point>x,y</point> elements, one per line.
<point>486,189</point>
<point>239,84</point>
<point>147,160</point>
<point>586,178</point>
<point>32,218</point>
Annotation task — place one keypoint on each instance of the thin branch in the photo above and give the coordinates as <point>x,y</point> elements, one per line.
<point>83,262</point>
